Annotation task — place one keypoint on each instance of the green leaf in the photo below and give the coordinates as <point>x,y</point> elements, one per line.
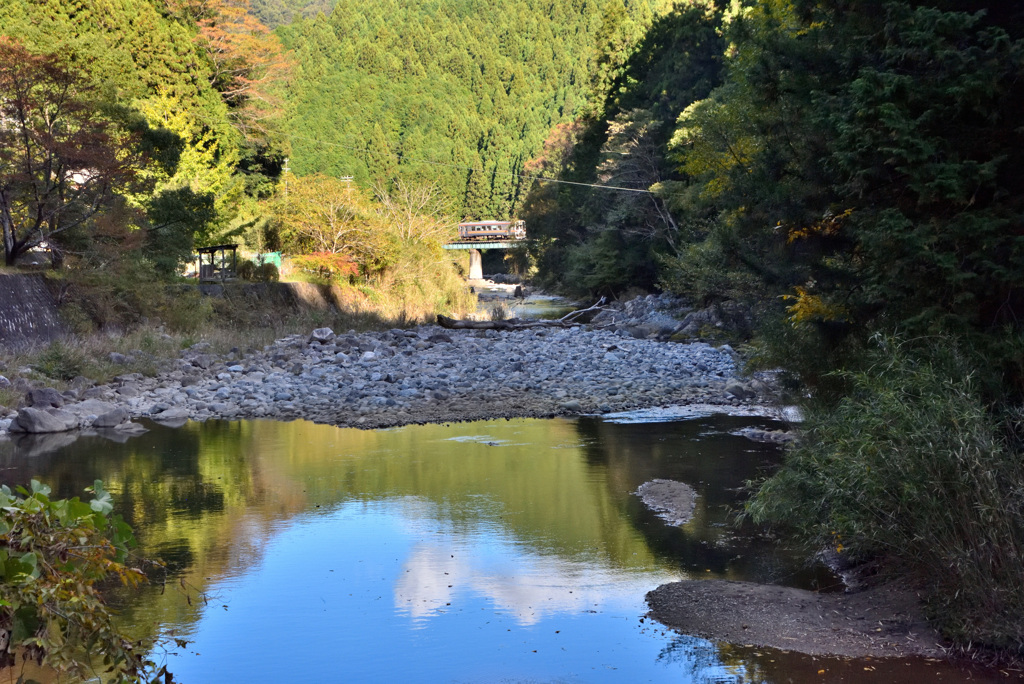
<point>24,625</point>
<point>39,488</point>
<point>102,501</point>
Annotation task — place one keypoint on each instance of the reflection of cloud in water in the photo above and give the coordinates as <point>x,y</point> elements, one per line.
<point>529,587</point>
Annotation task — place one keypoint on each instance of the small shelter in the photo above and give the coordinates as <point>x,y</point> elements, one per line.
<point>217,263</point>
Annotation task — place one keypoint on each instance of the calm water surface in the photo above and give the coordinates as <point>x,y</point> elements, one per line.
<point>504,551</point>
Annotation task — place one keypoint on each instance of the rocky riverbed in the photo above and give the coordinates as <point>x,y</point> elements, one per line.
<point>424,374</point>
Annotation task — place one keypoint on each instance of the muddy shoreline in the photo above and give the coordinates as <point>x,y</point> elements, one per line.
<point>885,621</point>
<point>879,620</point>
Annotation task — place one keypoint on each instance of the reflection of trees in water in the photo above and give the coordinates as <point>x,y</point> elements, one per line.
<point>703,454</point>
<point>706,663</point>
<point>190,494</point>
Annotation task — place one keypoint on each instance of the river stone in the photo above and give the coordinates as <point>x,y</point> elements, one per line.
<point>203,361</point>
<point>90,406</point>
<point>128,391</point>
<point>321,335</point>
<point>130,427</point>
<point>737,389</point>
<point>36,421</point>
<point>173,413</point>
<point>672,501</point>
<point>44,397</point>
<point>111,418</point>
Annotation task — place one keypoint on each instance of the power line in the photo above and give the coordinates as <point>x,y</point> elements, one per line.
<point>401,156</point>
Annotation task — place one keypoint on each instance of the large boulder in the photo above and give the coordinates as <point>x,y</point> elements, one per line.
<point>38,421</point>
<point>111,418</point>
<point>44,397</point>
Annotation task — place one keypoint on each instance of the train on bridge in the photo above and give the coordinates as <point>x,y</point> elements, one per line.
<point>486,231</point>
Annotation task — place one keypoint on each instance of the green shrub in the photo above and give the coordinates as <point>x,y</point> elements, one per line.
<point>245,269</point>
<point>61,361</point>
<point>266,273</point>
<point>53,557</point>
<point>185,310</point>
<point>914,467</point>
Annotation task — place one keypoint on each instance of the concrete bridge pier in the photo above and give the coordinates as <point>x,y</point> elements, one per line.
<point>476,265</point>
<point>476,259</point>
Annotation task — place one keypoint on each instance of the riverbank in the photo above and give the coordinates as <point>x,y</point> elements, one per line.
<point>884,621</point>
<point>878,620</point>
<point>397,377</point>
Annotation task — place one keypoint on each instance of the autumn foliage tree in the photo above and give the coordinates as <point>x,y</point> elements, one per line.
<point>62,156</point>
<point>246,60</point>
<point>319,216</point>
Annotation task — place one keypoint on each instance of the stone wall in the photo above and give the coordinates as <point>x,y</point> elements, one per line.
<point>28,311</point>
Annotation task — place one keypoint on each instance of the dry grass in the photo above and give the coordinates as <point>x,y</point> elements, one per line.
<point>150,324</point>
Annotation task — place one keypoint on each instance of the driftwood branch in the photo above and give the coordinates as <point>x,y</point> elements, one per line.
<point>567,321</point>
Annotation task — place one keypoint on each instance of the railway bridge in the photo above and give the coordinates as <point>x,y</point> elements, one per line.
<point>481,235</point>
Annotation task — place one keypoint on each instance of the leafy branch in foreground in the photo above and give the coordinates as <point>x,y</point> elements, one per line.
<point>52,556</point>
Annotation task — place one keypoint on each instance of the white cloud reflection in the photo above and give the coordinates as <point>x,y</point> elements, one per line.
<point>527,586</point>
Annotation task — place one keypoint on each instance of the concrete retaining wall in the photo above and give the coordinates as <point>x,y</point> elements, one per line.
<point>28,311</point>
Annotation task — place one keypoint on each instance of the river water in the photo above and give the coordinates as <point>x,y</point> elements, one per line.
<point>499,551</point>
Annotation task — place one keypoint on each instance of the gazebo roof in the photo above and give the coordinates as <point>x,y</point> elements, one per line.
<point>215,248</point>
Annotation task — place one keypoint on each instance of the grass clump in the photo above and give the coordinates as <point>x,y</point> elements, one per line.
<point>914,467</point>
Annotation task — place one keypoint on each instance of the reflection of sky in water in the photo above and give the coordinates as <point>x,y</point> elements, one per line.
<point>384,591</point>
<point>425,554</point>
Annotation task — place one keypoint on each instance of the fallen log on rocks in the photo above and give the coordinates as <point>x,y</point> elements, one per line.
<point>566,321</point>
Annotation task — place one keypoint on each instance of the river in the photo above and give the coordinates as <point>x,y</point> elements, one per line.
<point>495,551</point>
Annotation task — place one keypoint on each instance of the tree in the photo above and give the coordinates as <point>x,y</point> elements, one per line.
<point>62,155</point>
<point>322,214</point>
<point>415,213</point>
<point>634,158</point>
<point>246,60</point>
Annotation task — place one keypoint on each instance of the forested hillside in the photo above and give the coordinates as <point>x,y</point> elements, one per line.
<point>198,75</point>
<point>603,231</point>
<point>461,94</point>
<point>273,13</point>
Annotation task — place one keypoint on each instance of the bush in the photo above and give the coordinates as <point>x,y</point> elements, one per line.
<point>61,361</point>
<point>245,269</point>
<point>330,266</point>
<point>184,310</point>
<point>249,270</point>
<point>53,554</point>
<point>266,273</point>
<point>914,467</point>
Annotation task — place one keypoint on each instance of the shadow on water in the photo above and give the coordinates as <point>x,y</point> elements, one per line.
<point>490,551</point>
